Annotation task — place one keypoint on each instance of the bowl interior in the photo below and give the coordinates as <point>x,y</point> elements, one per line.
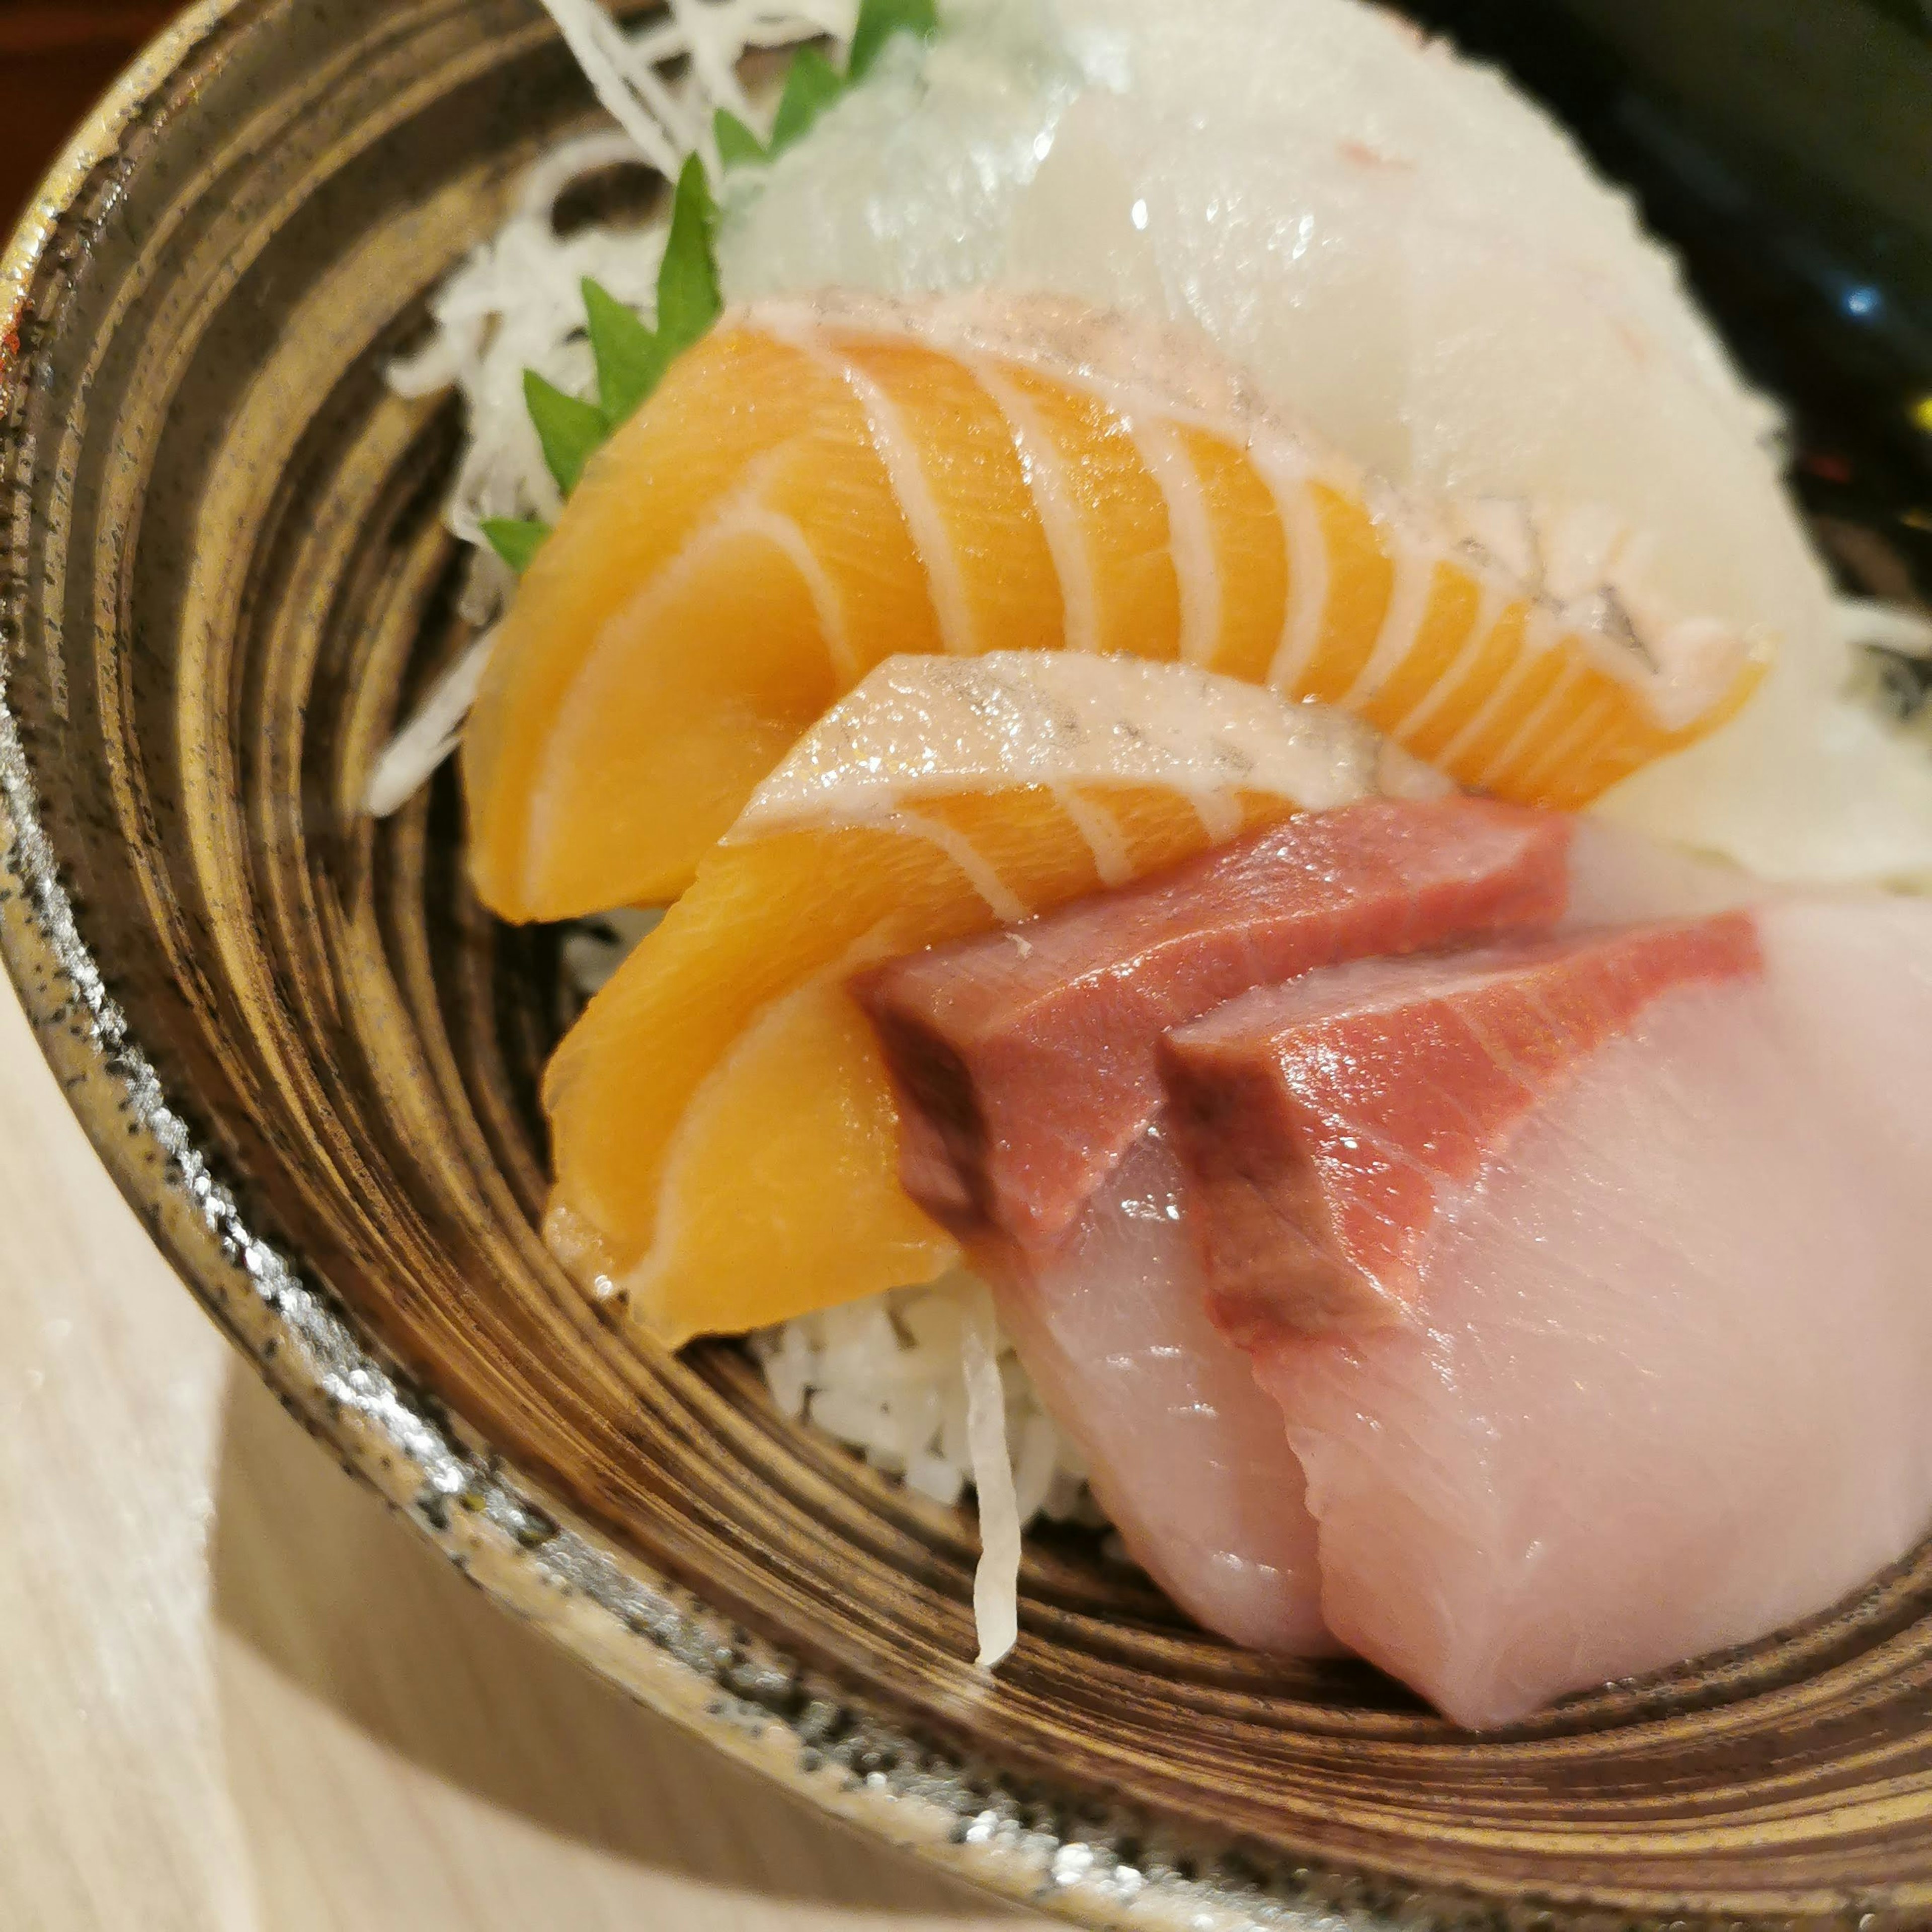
<point>224,577</point>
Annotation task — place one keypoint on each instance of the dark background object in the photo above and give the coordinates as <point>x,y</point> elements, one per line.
<point>56,59</point>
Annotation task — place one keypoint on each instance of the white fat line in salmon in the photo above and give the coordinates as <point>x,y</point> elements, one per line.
<point>739,512</point>
<point>980,874</point>
<point>744,510</point>
<point>1190,535</point>
<point>896,450</point>
<point>1494,600</point>
<point>1600,712</point>
<point>771,1022</point>
<point>1292,487</point>
<point>743,514</point>
<point>1102,832</point>
<point>785,535</point>
<point>1218,808</point>
<point>1402,623</point>
<point>1541,634</point>
<point>1527,734</point>
<point>1059,521</point>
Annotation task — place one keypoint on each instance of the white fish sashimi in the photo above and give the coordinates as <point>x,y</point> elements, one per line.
<point>1184,1451</point>
<point>1617,876</point>
<point>908,184</point>
<point>1665,1388</point>
<point>1806,785</point>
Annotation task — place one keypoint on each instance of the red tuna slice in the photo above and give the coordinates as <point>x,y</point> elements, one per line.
<point>1323,1123</point>
<point>1024,1060</point>
<point>1186,1450</point>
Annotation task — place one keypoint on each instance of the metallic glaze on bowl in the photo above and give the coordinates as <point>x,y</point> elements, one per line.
<point>308,1060</point>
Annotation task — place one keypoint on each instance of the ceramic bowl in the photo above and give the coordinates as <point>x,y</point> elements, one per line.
<point>309,1061</point>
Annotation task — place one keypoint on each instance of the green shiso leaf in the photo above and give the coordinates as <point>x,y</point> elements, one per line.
<point>515,540</point>
<point>737,145</point>
<point>689,300</point>
<point>568,428</point>
<point>630,357</point>
<point>811,86</point>
<point>879,20</point>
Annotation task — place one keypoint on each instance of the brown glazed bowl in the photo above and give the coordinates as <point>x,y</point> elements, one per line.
<point>309,1061</point>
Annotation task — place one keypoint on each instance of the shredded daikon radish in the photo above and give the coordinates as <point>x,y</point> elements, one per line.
<point>996,1581</point>
<point>631,91</point>
<point>430,735</point>
<point>594,949</point>
<point>516,304</point>
<point>891,1376</point>
<point>1886,627</point>
<point>665,123</point>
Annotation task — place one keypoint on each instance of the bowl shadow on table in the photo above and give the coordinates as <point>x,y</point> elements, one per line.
<point>345,1604</point>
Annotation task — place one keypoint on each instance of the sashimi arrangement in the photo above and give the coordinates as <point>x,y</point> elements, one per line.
<point>1364,1019</point>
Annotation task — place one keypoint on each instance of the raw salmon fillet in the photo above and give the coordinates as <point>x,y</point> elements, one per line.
<point>1661,1387</point>
<point>1185,1451</point>
<point>1023,1060</point>
<point>821,483</point>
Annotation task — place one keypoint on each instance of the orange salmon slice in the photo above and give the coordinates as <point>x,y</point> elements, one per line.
<point>821,483</point>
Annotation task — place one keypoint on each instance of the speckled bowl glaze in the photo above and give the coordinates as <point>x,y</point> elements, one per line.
<point>309,1061</point>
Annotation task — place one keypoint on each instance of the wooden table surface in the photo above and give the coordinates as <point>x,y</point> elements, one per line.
<point>237,1693</point>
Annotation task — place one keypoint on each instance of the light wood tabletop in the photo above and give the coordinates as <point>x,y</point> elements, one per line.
<point>238,1694</point>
